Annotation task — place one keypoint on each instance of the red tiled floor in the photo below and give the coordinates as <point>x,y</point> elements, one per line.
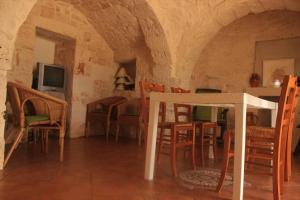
<point>94,169</point>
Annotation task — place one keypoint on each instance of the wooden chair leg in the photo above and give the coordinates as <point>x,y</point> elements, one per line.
<point>117,132</point>
<point>61,144</point>
<point>288,160</point>
<point>36,135</point>
<point>187,149</point>
<point>140,137</point>
<point>87,129</point>
<point>227,142</point>
<point>215,142</point>
<point>282,172</point>
<point>247,152</point>
<point>138,134</point>
<point>173,151</point>
<point>193,148</point>
<point>46,140</point>
<point>223,173</point>
<point>107,130</point>
<point>161,137</point>
<point>14,145</point>
<point>145,135</point>
<point>26,137</point>
<point>42,140</point>
<point>276,184</point>
<point>201,146</point>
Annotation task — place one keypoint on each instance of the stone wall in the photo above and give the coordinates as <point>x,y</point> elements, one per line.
<point>93,68</point>
<point>12,14</point>
<point>2,110</point>
<point>190,25</point>
<point>228,59</point>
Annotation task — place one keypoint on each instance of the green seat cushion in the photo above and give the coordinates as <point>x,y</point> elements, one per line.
<point>36,118</point>
<point>203,113</point>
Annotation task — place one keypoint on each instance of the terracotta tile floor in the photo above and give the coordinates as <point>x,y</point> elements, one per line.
<point>94,169</point>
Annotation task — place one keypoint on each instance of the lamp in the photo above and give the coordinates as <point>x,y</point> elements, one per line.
<point>122,79</point>
<point>121,72</point>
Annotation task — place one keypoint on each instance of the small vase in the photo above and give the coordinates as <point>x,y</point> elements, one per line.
<point>254,80</point>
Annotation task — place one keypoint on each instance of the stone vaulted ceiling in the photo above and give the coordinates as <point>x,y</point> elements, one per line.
<point>116,22</point>
<point>126,25</point>
<point>175,31</point>
<point>203,19</point>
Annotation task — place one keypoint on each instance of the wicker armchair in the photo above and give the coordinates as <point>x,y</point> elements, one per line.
<point>49,114</point>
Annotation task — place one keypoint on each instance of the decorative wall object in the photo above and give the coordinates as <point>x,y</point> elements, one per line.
<point>274,70</point>
<point>80,69</point>
<point>125,76</point>
<point>122,80</point>
<point>254,80</point>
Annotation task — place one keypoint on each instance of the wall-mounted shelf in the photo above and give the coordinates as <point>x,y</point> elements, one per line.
<point>263,91</point>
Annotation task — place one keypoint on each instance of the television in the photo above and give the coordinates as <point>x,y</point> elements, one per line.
<point>51,77</point>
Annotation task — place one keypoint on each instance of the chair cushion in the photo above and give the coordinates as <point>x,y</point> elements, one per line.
<point>29,119</point>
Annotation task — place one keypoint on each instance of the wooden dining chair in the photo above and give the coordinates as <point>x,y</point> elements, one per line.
<point>145,89</point>
<point>182,134</point>
<point>183,113</point>
<point>50,114</point>
<point>266,147</point>
<point>251,119</point>
<point>288,163</point>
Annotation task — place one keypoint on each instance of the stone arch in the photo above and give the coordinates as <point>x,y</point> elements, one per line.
<point>144,29</point>
<point>12,15</point>
<point>125,25</point>
<point>128,26</point>
<point>209,17</point>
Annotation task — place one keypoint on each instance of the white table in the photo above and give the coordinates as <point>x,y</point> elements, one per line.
<point>240,101</point>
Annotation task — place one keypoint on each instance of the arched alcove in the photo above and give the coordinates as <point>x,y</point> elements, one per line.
<point>206,18</point>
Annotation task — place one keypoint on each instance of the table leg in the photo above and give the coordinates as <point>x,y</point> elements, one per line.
<point>273,124</point>
<point>239,151</point>
<point>273,117</point>
<point>151,139</point>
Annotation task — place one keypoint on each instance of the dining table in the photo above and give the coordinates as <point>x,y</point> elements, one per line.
<point>240,102</point>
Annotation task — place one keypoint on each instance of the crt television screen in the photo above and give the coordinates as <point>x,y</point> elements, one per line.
<point>54,76</point>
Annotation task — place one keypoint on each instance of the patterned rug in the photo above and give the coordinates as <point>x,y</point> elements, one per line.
<point>204,178</point>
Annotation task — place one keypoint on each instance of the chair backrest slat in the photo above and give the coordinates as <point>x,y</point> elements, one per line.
<point>183,112</point>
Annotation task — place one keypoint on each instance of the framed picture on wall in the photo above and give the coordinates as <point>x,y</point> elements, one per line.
<point>274,70</point>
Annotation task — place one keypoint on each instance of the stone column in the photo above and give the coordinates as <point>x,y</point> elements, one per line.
<point>2,110</point>
<point>12,15</point>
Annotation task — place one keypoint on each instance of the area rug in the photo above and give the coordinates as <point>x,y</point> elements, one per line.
<point>206,178</point>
